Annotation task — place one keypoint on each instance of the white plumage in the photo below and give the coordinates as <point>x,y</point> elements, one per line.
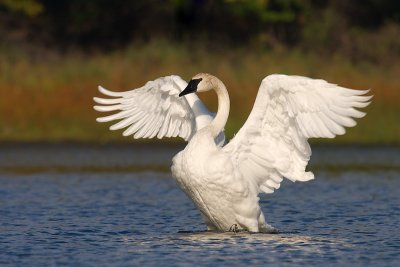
<point>224,181</point>
<point>155,109</point>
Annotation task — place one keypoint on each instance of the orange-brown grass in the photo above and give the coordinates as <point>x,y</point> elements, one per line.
<point>49,97</point>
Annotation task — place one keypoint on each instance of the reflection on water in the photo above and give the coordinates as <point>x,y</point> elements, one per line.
<point>98,217</point>
<point>294,241</point>
<point>243,246</point>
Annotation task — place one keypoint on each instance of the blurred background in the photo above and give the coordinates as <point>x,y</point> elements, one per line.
<point>53,54</point>
<point>73,193</point>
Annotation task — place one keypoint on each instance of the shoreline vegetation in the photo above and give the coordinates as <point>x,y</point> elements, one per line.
<point>54,54</point>
<point>47,95</point>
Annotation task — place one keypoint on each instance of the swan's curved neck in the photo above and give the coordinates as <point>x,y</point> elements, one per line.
<point>218,124</point>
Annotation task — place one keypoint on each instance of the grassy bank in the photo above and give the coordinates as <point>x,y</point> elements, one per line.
<point>47,96</point>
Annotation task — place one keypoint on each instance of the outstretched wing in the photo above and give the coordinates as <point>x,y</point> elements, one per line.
<point>155,110</point>
<point>272,144</point>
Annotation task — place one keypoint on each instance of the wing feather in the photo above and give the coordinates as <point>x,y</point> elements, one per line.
<point>154,109</point>
<point>273,143</point>
<point>124,123</point>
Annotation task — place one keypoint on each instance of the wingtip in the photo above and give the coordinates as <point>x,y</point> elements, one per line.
<point>366,91</point>
<point>107,92</point>
<point>363,93</point>
<point>361,114</point>
<point>99,120</point>
<point>101,89</point>
<point>367,97</point>
<point>97,108</point>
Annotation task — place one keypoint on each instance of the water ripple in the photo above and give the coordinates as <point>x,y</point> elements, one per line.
<point>143,219</point>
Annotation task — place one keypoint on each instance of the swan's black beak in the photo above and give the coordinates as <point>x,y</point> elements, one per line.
<point>191,87</point>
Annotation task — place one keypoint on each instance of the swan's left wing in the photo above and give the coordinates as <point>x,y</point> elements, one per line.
<point>154,109</point>
<point>288,110</point>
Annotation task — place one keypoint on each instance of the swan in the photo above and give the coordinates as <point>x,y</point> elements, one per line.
<point>222,179</point>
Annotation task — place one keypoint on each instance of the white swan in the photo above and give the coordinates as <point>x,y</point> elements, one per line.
<point>224,181</point>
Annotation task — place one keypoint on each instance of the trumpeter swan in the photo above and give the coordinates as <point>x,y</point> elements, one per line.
<point>224,181</point>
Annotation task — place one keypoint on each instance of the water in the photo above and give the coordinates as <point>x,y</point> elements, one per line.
<point>81,205</point>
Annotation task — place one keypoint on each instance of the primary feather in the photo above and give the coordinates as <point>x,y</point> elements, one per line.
<point>287,112</point>
<point>155,110</point>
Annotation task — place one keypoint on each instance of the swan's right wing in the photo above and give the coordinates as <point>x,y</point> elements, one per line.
<point>154,110</point>
<point>273,143</point>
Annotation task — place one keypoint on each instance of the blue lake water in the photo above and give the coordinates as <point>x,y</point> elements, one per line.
<point>117,205</point>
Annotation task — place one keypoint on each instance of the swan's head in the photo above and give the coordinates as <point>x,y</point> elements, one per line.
<point>201,82</point>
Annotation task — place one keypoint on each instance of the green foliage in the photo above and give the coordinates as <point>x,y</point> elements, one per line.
<point>330,26</point>
<point>331,29</point>
<point>267,11</point>
<point>30,8</point>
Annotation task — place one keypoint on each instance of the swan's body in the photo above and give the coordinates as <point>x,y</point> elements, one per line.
<point>224,181</point>
<point>208,176</point>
